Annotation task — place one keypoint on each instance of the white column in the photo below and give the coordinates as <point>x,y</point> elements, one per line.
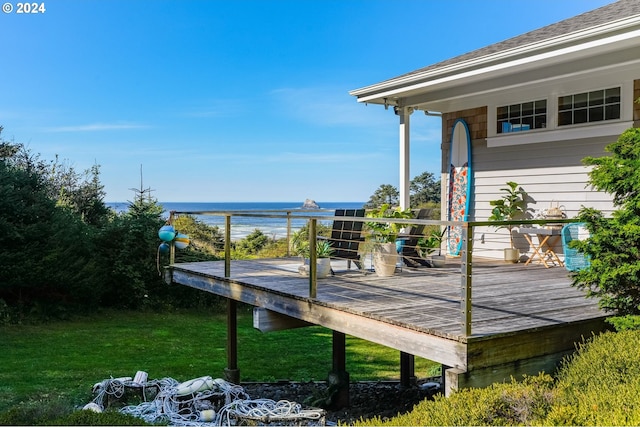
<point>404,113</point>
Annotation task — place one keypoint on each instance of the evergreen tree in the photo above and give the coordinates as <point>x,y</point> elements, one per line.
<point>424,189</point>
<point>614,243</point>
<point>385,194</point>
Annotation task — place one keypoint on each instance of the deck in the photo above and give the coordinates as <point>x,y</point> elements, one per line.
<point>523,318</point>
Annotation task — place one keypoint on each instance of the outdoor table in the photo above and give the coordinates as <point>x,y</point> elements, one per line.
<point>548,238</point>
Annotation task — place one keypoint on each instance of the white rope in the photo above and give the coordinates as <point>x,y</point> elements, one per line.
<point>200,409</point>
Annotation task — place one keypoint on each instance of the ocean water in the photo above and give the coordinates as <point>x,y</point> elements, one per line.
<point>241,226</point>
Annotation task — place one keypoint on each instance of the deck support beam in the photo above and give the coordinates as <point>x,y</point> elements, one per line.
<point>339,377</point>
<point>407,369</point>
<point>231,372</point>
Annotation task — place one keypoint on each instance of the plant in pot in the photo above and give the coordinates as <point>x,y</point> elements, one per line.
<point>509,207</point>
<point>431,243</point>
<point>384,236</point>
<point>324,250</point>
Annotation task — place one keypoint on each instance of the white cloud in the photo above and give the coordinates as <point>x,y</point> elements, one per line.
<point>97,127</point>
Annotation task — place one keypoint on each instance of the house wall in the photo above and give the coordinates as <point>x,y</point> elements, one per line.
<point>550,172</point>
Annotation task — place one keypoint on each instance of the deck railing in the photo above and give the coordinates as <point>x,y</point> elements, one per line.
<point>465,256</point>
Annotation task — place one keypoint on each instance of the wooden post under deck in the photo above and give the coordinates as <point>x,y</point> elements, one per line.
<point>339,375</point>
<point>407,369</point>
<point>231,372</point>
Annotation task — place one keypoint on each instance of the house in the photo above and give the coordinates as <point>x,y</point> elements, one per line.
<point>535,106</point>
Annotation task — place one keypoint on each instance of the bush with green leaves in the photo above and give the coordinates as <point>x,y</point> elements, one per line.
<point>597,385</point>
<point>600,384</point>
<point>614,243</point>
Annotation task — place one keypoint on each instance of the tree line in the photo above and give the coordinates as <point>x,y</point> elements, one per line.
<point>63,250</point>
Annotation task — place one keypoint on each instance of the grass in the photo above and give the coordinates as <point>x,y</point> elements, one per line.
<point>62,360</point>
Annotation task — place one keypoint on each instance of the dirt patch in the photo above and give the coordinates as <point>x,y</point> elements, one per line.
<point>367,399</point>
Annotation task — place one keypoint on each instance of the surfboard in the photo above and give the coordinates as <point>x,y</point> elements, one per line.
<point>460,183</point>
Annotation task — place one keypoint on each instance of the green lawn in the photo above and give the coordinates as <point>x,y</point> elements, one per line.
<point>64,359</point>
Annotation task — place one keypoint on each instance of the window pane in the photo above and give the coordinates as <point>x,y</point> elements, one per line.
<point>564,118</point>
<point>612,95</point>
<point>502,123</point>
<point>514,110</point>
<point>612,112</point>
<point>502,113</point>
<point>565,103</point>
<point>596,114</point>
<point>540,122</point>
<point>527,123</point>
<point>541,107</point>
<point>580,100</point>
<point>580,116</point>
<point>596,98</point>
<point>527,109</point>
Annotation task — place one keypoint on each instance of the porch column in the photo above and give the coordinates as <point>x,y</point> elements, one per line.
<point>404,113</point>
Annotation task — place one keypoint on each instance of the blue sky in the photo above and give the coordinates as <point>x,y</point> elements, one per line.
<point>237,100</point>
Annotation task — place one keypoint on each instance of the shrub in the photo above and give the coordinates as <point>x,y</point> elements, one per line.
<point>600,383</point>
<point>513,403</point>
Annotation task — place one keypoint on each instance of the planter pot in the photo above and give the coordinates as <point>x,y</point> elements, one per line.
<point>324,267</point>
<point>438,261</point>
<point>511,255</point>
<point>385,258</point>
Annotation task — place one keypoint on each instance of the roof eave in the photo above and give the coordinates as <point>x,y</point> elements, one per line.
<point>511,60</point>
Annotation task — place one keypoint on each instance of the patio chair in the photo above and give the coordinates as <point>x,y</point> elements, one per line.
<point>574,260</point>
<point>346,237</point>
<point>409,251</point>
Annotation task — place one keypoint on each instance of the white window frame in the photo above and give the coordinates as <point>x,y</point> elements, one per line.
<point>555,133</point>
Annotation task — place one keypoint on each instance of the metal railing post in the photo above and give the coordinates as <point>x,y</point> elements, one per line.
<point>465,278</point>
<point>288,233</point>
<point>313,265</point>
<point>227,246</point>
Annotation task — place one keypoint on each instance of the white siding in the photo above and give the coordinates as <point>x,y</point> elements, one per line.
<point>548,172</point>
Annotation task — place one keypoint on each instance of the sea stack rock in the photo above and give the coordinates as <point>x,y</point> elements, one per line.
<point>310,204</point>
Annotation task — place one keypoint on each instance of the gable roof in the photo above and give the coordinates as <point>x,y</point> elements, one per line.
<point>618,17</point>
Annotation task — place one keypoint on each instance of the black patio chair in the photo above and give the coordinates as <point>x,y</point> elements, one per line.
<point>346,237</point>
<point>410,255</point>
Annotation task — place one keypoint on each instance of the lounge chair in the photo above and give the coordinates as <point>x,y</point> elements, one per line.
<point>410,255</point>
<point>346,236</point>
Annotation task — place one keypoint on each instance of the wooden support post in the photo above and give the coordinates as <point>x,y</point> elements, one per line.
<point>313,264</point>
<point>465,279</point>
<point>227,246</point>
<point>288,233</point>
<point>407,369</point>
<point>231,372</point>
<point>339,377</point>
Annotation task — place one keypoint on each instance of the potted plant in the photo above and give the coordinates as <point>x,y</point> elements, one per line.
<point>384,236</point>
<point>324,250</point>
<point>431,243</point>
<point>508,208</point>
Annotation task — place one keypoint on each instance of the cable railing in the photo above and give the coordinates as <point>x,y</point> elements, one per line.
<point>475,236</point>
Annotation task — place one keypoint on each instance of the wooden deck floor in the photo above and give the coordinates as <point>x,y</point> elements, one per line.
<point>517,311</point>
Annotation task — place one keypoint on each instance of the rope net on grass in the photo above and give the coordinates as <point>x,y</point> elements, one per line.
<point>201,402</point>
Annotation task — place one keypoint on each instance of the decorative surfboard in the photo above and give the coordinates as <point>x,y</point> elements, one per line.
<point>460,183</point>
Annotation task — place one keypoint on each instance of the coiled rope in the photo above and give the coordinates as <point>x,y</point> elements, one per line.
<point>225,404</point>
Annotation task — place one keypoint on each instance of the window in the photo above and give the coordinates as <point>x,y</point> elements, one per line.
<point>589,107</point>
<point>522,117</point>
